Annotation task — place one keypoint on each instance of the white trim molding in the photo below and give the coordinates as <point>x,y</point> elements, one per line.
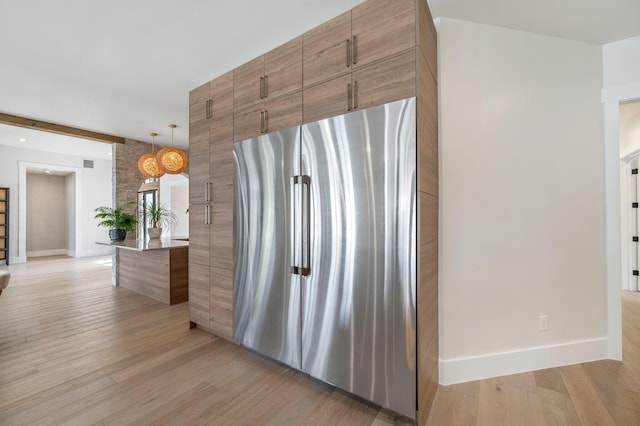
<point>611,99</point>
<point>461,370</point>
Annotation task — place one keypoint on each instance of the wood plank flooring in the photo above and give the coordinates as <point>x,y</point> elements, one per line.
<point>74,350</point>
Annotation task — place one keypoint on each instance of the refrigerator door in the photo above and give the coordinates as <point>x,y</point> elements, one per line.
<point>266,302</point>
<point>359,300</point>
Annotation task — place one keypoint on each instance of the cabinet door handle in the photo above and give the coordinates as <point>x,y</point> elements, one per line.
<point>348,53</point>
<point>348,96</point>
<point>261,87</point>
<point>207,220</point>
<point>266,121</point>
<point>206,109</point>
<point>265,91</point>
<point>354,95</point>
<point>261,122</point>
<point>353,50</point>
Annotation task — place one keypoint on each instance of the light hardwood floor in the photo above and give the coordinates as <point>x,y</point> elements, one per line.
<point>74,350</point>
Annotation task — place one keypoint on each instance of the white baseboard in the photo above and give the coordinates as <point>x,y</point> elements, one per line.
<point>91,253</point>
<point>505,363</point>
<point>17,259</point>
<point>42,253</point>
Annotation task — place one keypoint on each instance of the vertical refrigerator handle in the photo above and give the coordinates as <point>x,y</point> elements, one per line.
<point>300,225</point>
<point>306,225</point>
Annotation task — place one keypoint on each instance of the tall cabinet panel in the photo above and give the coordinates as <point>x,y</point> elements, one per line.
<point>4,225</point>
<point>221,226</point>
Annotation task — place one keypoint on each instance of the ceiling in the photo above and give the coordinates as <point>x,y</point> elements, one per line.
<point>126,67</point>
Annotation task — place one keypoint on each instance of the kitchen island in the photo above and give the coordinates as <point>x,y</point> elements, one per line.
<point>156,268</point>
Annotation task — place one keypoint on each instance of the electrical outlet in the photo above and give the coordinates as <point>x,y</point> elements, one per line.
<point>542,326</point>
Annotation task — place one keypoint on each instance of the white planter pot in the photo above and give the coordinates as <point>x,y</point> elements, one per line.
<point>154,232</point>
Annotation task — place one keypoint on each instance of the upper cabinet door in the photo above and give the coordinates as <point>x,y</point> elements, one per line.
<point>385,81</point>
<point>198,105</point>
<point>283,69</point>
<point>381,28</point>
<point>248,123</point>
<point>248,80</point>
<point>326,50</point>
<point>327,99</point>
<point>221,94</point>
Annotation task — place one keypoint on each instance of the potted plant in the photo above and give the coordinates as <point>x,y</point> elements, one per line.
<point>160,217</point>
<point>117,220</point>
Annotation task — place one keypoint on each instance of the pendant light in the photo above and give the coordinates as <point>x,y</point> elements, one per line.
<point>171,159</point>
<point>148,163</point>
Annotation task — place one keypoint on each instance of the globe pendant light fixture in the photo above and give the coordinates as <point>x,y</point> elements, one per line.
<point>171,159</point>
<point>148,163</point>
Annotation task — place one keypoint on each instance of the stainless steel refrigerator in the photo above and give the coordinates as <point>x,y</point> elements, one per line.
<point>325,251</point>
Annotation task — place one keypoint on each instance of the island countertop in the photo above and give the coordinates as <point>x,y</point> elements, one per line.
<point>146,244</point>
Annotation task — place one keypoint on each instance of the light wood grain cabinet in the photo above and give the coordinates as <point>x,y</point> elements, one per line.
<point>380,28</point>
<point>269,76</point>
<point>382,82</point>
<point>198,104</point>
<point>221,302</point>
<point>199,163</point>
<point>267,117</point>
<point>368,33</point>
<point>248,84</point>
<point>199,298</point>
<point>221,96</point>
<point>326,50</point>
<point>212,100</point>
<point>379,83</point>
<point>221,160</point>
<point>327,99</point>
<point>248,122</point>
<point>283,69</point>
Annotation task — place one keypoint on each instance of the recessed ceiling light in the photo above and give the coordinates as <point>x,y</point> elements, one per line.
<point>22,140</point>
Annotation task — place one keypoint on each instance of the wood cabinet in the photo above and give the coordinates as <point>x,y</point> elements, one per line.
<point>4,226</point>
<point>326,50</point>
<point>199,163</point>
<point>212,100</point>
<point>221,96</point>
<point>267,117</point>
<point>383,82</point>
<point>370,32</point>
<point>198,101</point>
<point>283,69</point>
<point>269,76</point>
<point>327,99</point>
<point>380,28</point>
<point>248,82</point>
<point>199,293</point>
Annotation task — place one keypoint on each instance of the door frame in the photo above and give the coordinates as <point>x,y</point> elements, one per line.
<point>23,167</point>
<point>611,100</point>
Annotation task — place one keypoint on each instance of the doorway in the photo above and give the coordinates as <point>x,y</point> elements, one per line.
<point>70,208</point>
<point>50,225</point>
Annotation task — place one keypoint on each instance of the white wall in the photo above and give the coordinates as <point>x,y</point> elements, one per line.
<point>95,190</point>
<point>522,223</point>
<point>174,194</point>
<point>621,62</point>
